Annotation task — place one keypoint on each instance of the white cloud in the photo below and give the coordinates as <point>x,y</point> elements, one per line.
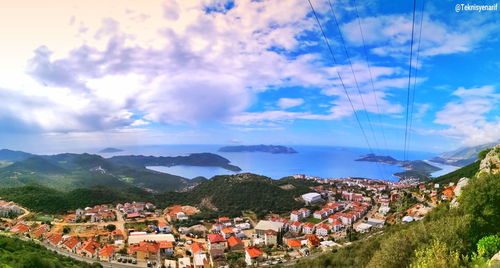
<point>467,118</point>
<point>285,103</point>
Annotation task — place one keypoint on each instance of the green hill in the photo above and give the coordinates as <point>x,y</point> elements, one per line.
<point>468,171</point>
<point>15,252</point>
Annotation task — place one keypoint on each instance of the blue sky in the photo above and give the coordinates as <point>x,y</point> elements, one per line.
<point>114,73</point>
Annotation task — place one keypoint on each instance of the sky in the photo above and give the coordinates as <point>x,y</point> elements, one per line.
<point>86,74</point>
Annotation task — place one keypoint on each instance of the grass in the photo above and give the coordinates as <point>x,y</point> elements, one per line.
<point>311,219</point>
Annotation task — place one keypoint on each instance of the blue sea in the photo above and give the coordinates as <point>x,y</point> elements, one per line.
<point>321,161</point>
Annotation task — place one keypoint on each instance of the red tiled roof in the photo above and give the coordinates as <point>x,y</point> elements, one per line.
<point>254,252</point>
<point>309,225</point>
<point>20,228</point>
<point>294,243</point>
<point>322,226</point>
<point>296,223</point>
<point>224,219</point>
<point>71,242</point>
<point>197,247</point>
<point>313,239</point>
<point>216,238</point>
<point>144,247</point>
<point>107,251</point>
<point>39,232</point>
<point>162,224</point>
<point>166,244</point>
<point>234,241</point>
<point>133,215</point>
<point>55,239</point>
<point>90,246</point>
<point>227,230</point>
<point>117,232</point>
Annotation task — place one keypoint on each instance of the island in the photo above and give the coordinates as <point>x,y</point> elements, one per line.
<point>415,169</point>
<point>274,149</point>
<point>110,150</point>
<point>196,159</point>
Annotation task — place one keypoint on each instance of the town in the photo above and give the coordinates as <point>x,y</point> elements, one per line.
<point>137,234</point>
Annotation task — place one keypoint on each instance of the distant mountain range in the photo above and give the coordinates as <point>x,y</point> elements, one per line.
<point>70,171</point>
<point>462,156</point>
<point>274,149</point>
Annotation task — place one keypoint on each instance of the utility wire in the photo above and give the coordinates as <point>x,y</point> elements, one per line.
<point>416,72</point>
<point>355,78</point>
<point>340,77</point>
<point>365,53</point>
<point>409,83</point>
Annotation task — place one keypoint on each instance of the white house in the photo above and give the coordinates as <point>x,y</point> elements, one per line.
<point>311,198</point>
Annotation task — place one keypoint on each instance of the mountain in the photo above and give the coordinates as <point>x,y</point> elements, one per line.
<point>70,171</point>
<point>415,169</point>
<point>274,149</point>
<point>11,156</point>
<point>462,156</point>
<point>198,159</point>
<point>110,150</point>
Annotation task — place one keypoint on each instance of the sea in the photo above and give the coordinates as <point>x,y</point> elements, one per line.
<point>320,161</point>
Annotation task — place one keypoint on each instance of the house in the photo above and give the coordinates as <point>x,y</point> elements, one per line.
<point>185,262</point>
<point>55,239</point>
<point>71,244</point>
<point>201,261</point>
<point>227,232</point>
<point>243,226</point>
<point>225,220</point>
<point>145,250</point>
<point>295,226</point>
<point>166,248</point>
<point>88,249</point>
<point>347,219</point>
<point>311,198</point>
<point>308,228</point>
<point>312,240</point>
<point>170,264</point>
<point>218,226</point>
<point>253,255</point>
<point>216,241</point>
<point>363,227</point>
<point>181,216</point>
<point>117,235</point>
<point>20,228</point>
<point>322,229</point>
<point>235,243</point>
<point>163,227</point>
<point>296,215</point>
<point>38,232</point>
<point>197,248</point>
<point>107,252</point>
<point>271,238</point>
<point>305,212</point>
<point>336,225</point>
<point>263,226</point>
<point>217,258</point>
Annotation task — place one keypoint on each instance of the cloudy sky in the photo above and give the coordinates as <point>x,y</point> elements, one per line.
<point>80,74</point>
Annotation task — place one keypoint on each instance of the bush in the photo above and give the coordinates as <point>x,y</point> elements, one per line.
<point>488,246</point>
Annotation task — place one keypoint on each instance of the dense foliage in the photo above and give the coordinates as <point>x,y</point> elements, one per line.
<point>15,253</point>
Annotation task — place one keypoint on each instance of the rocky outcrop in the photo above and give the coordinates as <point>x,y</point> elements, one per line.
<point>458,190</point>
<point>491,163</point>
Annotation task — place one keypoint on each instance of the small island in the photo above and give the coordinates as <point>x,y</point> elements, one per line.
<point>274,149</point>
<point>415,169</point>
<point>110,150</point>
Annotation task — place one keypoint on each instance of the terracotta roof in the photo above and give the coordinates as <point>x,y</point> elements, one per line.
<point>322,226</point>
<point>162,224</point>
<point>90,246</point>
<point>216,238</point>
<point>197,247</point>
<point>133,215</point>
<point>224,219</point>
<point>313,239</point>
<point>117,232</point>
<point>296,223</point>
<point>166,244</point>
<point>234,241</point>
<point>309,225</point>
<point>71,242</point>
<point>254,252</point>
<point>144,247</point>
<point>20,228</point>
<point>227,230</point>
<point>55,239</point>
<point>107,251</point>
<point>39,232</point>
<point>294,243</point>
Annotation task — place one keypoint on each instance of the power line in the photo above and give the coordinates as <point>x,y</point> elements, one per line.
<point>416,71</point>
<point>354,76</point>
<point>365,53</point>
<point>340,77</point>
<point>409,83</point>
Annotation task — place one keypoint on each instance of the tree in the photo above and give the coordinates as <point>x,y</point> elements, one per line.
<point>488,246</point>
<point>66,229</point>
<point>439,255</point>
<point>110,227</point>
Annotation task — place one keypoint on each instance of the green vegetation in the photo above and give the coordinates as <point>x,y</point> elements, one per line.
<point>446,237</point>
<point>482,154</point>
<point>16,253</point>
<point>311,219</point>
<point>468,171</point>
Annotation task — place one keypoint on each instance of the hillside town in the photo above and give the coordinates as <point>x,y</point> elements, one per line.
<point>140,234</point>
